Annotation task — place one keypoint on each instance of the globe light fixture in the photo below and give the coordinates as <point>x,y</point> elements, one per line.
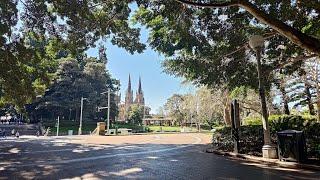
<point>256,42</point>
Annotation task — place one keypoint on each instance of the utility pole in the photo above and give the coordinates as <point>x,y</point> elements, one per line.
<point>58,124</point>
<point>108,107</point>
<point>81,109</point>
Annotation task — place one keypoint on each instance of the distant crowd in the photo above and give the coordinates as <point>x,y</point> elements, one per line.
<point>9,120</point>
<point>13,133</point>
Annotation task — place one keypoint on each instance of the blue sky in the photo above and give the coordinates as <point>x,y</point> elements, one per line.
<point>157,85</point>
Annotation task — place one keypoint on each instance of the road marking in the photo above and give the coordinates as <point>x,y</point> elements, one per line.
<point>198,140</point>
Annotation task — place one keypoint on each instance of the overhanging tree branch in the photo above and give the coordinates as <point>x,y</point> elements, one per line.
<point>210,5</point>
<point>296,59</point>
<point>301,39</point>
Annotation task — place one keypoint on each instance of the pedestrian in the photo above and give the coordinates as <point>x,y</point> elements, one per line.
<point>38,133</point>
<point>17,134</point>
<point>13,132</point>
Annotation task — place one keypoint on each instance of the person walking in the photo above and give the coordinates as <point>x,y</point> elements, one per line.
<point>13,132</point>
<point>17,134</point>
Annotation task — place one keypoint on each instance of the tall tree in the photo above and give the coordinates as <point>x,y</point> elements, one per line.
<point>77,25</point>
<point>135,114</point>
<point>209,46</point>
<point>313,73</point>
<point>300,91</point>
<point>173,107</point>
<point>71,84</point>
<point>281,84</point>
<point>210,107</point>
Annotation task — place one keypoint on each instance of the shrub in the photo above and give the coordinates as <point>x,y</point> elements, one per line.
<point>251,139</point>
<point>251,136</point>
<point>252,121</point>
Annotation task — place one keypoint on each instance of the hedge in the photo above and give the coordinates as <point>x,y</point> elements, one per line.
<point>251,136</point>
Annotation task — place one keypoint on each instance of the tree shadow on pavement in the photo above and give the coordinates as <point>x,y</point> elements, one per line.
<point>57,158</point>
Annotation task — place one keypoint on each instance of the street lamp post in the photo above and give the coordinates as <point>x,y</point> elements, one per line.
<point>108,115</point>
<point>58,125</point>
<point>268,150</point>
<point>81,109</point>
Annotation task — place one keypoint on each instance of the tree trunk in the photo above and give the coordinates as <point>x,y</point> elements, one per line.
<point>318,108</point>
<point>285,100</point>
<point>226,109</point>
<point>77,115</point>
<point>226,116</point>
<point>318,102</point>
<point>309,98</point>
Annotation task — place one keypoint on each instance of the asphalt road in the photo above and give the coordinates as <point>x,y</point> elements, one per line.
<point>171,156</point>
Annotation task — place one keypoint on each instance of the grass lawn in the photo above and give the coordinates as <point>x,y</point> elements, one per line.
<point>64,127</point>
<point>164,128</point>
<point>174,129</point>
<point>90,126</point>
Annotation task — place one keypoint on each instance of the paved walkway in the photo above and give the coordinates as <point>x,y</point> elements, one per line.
<point>163,156</point>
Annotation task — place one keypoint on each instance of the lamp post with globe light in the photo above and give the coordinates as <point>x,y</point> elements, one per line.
<point>256,42</point>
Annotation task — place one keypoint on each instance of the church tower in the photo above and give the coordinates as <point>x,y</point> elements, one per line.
<point>129,95</point>
<point>139,95</point>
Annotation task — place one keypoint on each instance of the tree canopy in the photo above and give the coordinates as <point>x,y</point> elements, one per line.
<point>209,46</point>
<point>33,33</point>
<point>72,82</point>
<point>262,11</point>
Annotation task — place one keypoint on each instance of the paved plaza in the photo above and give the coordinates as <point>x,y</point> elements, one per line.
<point>158,156</point>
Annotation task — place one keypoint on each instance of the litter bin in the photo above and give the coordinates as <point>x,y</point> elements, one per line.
<point>291,146</point>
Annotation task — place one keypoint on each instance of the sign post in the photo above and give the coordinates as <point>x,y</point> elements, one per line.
<point>235,124</point>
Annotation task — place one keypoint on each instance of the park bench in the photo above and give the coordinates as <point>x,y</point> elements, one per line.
<point>124,131</point>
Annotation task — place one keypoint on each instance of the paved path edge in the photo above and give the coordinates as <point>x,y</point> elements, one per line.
<point>270,162</point>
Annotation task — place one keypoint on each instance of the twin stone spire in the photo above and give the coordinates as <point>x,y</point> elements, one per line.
<point>139,100</point>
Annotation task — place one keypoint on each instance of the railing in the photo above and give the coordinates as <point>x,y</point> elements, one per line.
<point>94,131</point>
<point>47,132</point>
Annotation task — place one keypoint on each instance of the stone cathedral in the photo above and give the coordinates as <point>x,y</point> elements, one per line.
<point>131,100</point>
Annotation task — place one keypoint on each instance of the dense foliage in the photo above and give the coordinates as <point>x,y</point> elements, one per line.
<point>33,33</point>
<point>135,114</point>
<point>251,135</point>
<point>201,108</point>
<point>209,46</point>
<point>74,80</point>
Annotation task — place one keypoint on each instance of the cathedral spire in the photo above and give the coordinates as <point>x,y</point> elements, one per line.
<point>139,95</point>
<point>140,88</point>
<point>129,94</point>
<point>129,84</point>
